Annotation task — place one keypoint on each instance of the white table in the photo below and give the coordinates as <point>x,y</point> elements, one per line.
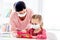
<point>7,36</point>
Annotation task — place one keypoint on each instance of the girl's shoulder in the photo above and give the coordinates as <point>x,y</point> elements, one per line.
<point>44,30</point>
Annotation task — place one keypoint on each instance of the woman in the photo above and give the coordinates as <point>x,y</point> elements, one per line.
<point>21,17</point>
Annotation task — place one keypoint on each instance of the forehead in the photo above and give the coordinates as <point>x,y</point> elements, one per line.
<point>35,20</point>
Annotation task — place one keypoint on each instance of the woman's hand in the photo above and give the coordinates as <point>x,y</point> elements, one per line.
<point>23,31</point>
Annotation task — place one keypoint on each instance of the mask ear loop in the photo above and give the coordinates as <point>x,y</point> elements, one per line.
<point>41,28</point>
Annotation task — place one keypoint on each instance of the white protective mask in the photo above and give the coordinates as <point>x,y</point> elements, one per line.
<point>35,26</point>
<point>21,15</point>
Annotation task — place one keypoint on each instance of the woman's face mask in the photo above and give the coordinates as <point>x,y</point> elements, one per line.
<point>35,26</point>
<point>22,15</point>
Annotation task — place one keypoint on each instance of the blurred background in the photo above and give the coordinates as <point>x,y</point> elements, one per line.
<point>49,9</point>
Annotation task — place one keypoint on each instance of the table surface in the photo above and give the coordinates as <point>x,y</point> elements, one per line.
<point>7,36</point>
<point>51,35</point>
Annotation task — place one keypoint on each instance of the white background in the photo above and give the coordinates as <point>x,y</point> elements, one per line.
<point>51,13</point>
<point>51,17</point>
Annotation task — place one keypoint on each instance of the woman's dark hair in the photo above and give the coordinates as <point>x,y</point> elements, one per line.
<point>19,6</point>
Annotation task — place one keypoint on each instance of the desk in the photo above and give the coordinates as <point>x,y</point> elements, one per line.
<point>7,36</point>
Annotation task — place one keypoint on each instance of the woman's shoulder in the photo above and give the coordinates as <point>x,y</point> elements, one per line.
<point>12,14</point>
<point>29,10</point>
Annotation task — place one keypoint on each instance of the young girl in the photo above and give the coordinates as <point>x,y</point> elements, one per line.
<point>35,28</point>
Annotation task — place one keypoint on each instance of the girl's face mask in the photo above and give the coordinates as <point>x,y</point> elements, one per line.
<point>21,15</point>
<point>35,26</point>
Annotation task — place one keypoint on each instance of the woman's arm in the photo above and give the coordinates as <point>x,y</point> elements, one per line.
<point>13,24</point>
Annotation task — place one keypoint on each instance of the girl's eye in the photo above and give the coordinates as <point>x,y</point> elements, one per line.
<point>32,23</point>
<point>35,24</point>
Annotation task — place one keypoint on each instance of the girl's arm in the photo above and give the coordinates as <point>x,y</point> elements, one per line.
<point>43,35</point>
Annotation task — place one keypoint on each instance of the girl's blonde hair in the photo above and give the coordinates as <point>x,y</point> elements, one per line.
<point>37,17</point>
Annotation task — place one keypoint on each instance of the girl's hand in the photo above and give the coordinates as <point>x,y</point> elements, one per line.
<point>36,30</point>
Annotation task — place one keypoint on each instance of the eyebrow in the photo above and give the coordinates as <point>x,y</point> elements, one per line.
<point>34,23</point>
